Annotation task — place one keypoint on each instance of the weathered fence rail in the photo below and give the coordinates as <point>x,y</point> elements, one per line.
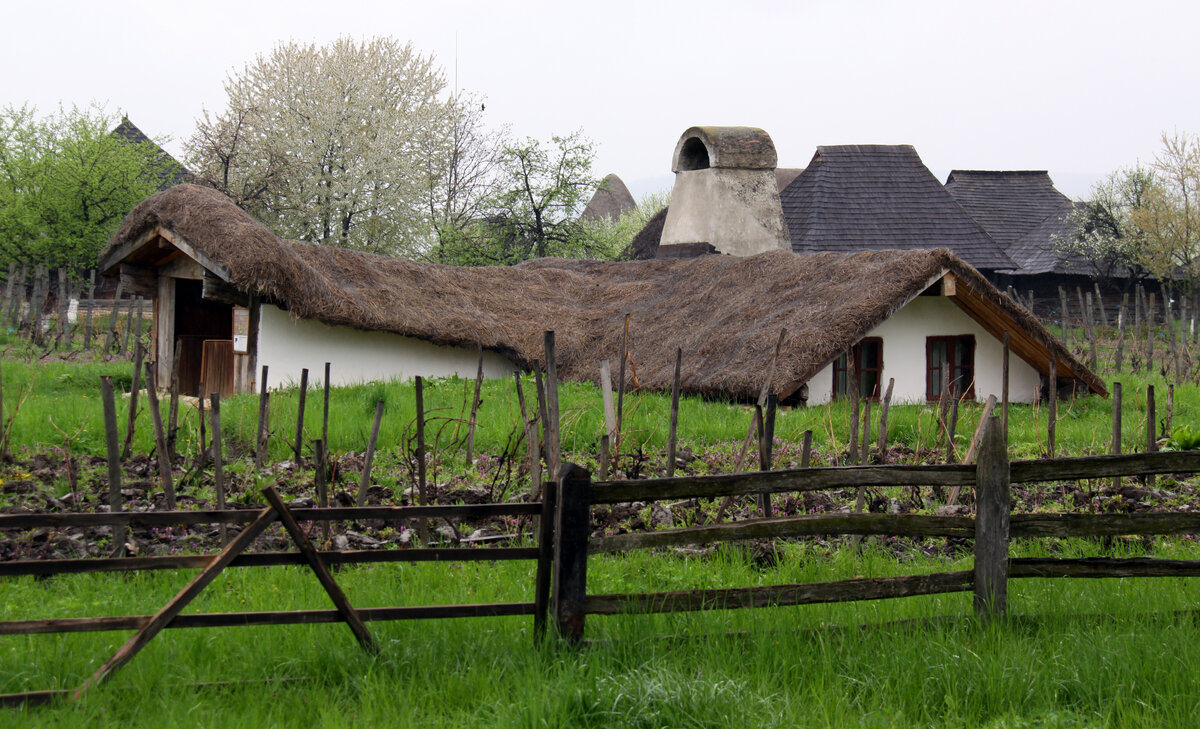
<point>564,542</point>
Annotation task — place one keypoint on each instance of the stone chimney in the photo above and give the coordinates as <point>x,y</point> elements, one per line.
<point>725,193</point>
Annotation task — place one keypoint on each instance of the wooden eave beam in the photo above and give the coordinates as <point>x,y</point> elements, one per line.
<point>214,289</point>
<point>179,242</point>
<point>996,321</point>
<point>122,252</point>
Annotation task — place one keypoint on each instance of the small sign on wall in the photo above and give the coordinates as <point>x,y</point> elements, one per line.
<point>241,330</point>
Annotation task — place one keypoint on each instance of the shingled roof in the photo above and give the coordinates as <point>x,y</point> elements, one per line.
<point>172,172</point>
<point>725,312</point>
<point>876,197</point>
<point>1022,211</point>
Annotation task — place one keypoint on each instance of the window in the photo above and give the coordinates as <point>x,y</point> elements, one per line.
<point>868,361</point>
<point>952,355</point>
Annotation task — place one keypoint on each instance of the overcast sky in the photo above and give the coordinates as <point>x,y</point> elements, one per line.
<point>1077,88</point>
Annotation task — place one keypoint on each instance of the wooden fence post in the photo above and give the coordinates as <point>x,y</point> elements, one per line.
<point>127,450</point>
<point>1052,409</point>
<point>991,523</point>
<point>673,425</point>
<point>300,414</point>
<point>119,532</point>
<point>160,437</point>
<point>1116,426</point>
<point>260,433</point>
<point>551,428</point>
<point>474,408</point>
<point>325,409</point>
<point>572,523</point>
<point>883,418</point>
<point>621,382</point>
<point>214,400</point>
<point>545,563</point>
<point>365,478</point>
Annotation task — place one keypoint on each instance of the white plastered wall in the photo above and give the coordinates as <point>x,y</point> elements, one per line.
<point>286,346</point>
<point>904,337</point>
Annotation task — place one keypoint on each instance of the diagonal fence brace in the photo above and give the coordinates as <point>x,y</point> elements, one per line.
<point>344,608</point>
<point>176,605</point>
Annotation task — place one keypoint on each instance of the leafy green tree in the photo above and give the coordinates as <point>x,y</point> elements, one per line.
<point>66,183</point>
<point>1170,214</point>
<point>541,190</point>
<point>1105,233</point>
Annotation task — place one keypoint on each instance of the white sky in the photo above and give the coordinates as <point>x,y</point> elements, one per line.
<point>1078,88</point>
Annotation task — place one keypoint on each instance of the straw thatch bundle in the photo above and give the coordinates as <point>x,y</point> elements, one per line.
<point>725,313</point>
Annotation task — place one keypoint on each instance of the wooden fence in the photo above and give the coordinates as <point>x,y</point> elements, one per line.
<point>565,542</point>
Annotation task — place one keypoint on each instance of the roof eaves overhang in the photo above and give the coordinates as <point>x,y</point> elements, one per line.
<point>1021,342</point>
<point>150,248</point>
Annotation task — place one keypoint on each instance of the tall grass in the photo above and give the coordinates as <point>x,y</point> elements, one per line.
<point>776,667</point>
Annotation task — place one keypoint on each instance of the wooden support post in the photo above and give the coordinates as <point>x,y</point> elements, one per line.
<point>572,524</point>
<point>128,325</point>
<point>606,398</point>
<point>991,524</point>
<point>543,416</point>
<point>1116,426</point>
<point>1151,427</point>
<point>884,406</point>
<point>806,448</point>
<point>952,428</point>
<point>160,438</point>
<point>218,458</point>
<point>1119,355</point>
<point>1100,305</point>
<point>766,446</point>
<point>852,393</point>
<point>673,426</point>
<point>300,416</point>
<point>321,480</point>
<point>1064,317</point>
<point>321,474</point>
<point>343,606</point>
<point>87,320</point>
<point>474,408</point>
<point>1150,334</point>
<point>325,407</point>
<point>260,433</point>
<point>1168,421</point>
<point>365,479</point>
<point>552,424</point>
<point>604,456</point>
<point>1090,323</point>
<point>1004,377</point>
<point>126,451</point>
<point>865,448</point>
<point>621,383</point>
<point>545,562</point>
<point>62,335</point>
<point>1052,407</point>
<point>422,496</point>
<point>137,326</point>
<point>173,408</point>
<point>119,532</point>
<point>164,616</point>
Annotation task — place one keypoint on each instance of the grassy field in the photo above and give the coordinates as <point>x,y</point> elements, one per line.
<point>1075,653</point>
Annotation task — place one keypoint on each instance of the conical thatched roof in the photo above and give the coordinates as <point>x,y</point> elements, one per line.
<point>611,200</point>
<point>724,312</point>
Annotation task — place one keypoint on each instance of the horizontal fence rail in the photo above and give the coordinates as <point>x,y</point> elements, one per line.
<point>240,516</point>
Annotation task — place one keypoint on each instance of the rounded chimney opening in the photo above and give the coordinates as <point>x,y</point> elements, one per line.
<point>693,155</point>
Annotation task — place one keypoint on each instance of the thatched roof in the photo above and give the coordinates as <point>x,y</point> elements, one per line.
<point>1022,211</point>
<point>876,197</point>
<point>611,200</point>
<point>724,312</point>
<point>173,173</point>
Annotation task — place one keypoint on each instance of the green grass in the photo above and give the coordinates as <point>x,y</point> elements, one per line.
<point>769,667</point>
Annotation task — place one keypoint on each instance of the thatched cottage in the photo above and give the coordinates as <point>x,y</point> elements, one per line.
<point>234,297</point>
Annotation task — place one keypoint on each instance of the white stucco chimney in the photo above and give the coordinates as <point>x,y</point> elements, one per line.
<point>725,192</point>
